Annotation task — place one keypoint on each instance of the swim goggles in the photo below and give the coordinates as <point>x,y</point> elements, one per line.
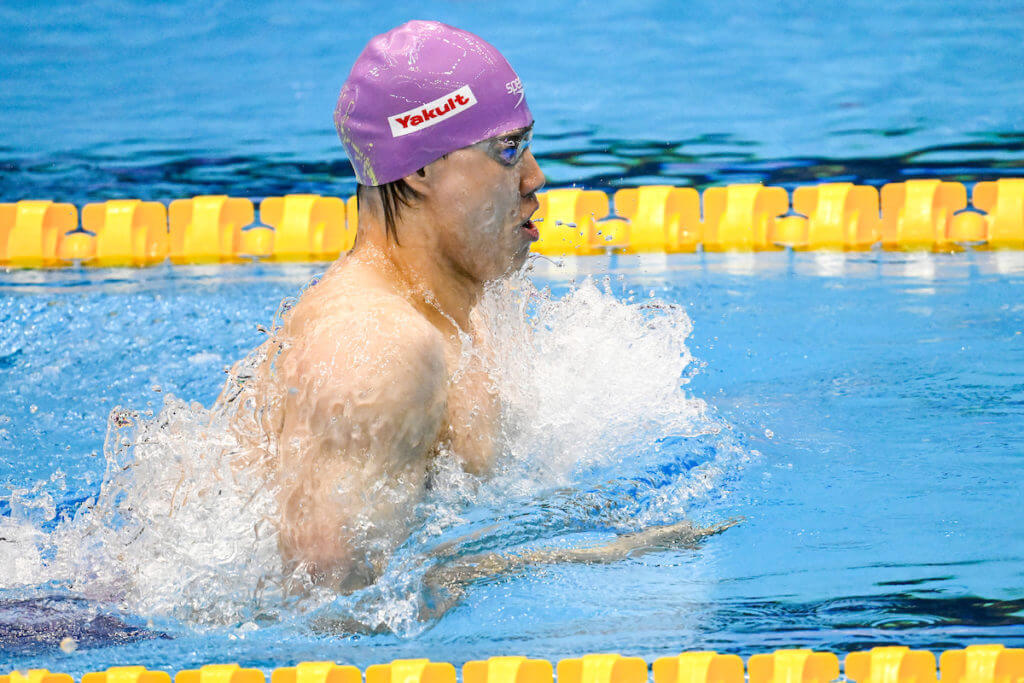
<point>509,148</point>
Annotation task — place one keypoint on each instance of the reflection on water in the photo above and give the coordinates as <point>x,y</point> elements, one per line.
<point>717,160</point>
<point>590,160</point>
<point>39,625</point>
<point>922,619</point>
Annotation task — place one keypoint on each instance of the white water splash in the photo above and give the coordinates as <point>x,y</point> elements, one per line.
<point>589,386</point>
<point>587,373</point>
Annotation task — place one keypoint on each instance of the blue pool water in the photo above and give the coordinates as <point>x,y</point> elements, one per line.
<point>160,101</point>
<point>861,413</point>
<point>863,417</point>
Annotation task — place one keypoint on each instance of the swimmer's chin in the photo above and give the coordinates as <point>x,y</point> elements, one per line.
<point>521,263</point>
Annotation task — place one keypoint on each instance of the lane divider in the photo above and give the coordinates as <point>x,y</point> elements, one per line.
<point>130,674</point>
<point>991,663</point>
<point>916,215</point>
<point>508,670</point>
<point>207,229</point>
<point>793,666</point>
<point>317,672</point>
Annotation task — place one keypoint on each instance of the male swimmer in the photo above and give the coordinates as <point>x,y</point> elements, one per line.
<point>383,365</point>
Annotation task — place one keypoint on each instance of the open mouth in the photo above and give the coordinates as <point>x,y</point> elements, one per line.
<point>530,228</point>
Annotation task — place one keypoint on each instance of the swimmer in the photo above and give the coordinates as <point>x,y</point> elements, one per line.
<point>383,365</point>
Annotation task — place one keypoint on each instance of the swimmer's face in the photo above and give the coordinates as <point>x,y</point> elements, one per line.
<point>484,197</point>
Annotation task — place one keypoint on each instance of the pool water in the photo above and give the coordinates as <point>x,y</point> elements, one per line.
<point>860,413</point>
<point>133,99</point>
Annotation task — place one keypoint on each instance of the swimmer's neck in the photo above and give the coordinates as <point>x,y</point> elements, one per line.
<point>419,267</point>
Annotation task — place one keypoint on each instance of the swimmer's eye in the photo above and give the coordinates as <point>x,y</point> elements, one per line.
<point>509,149</point>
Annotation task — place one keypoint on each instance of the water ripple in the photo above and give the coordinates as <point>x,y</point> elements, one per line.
<point>159,174</point>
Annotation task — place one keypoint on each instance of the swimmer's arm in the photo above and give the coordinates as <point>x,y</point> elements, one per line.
<point>454,576</point>
<point>374,391</point>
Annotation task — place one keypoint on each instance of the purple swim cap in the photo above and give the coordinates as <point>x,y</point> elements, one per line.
<point>420,91</point>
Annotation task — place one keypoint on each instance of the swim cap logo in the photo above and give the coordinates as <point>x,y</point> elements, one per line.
<point>432,113</point>
<point>515,88</point>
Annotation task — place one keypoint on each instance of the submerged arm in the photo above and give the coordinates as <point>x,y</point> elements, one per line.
<point>455,575</point>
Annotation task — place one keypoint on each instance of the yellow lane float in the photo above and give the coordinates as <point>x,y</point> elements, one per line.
<point>932,215</point>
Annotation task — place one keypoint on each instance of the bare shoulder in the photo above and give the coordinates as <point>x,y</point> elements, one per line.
<point>359,302</point>
<point>363,343</point>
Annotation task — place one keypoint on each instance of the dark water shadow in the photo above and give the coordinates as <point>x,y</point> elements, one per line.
<point>581,158</point>
<point>38,625</point>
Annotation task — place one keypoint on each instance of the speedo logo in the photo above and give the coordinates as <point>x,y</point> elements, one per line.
<point>431,113</point>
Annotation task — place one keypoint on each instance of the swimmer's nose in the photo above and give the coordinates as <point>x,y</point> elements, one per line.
<point>531,178</point>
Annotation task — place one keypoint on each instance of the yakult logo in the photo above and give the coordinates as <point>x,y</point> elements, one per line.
<point>427,115</point>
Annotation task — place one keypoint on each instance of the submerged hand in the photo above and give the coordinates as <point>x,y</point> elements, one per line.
<point>679,535</point>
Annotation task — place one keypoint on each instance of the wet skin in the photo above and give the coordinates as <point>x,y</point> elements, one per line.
<point>382,366</point>
<point>368,379</point>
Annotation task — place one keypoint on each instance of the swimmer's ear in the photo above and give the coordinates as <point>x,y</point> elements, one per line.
<point>422,180</point>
